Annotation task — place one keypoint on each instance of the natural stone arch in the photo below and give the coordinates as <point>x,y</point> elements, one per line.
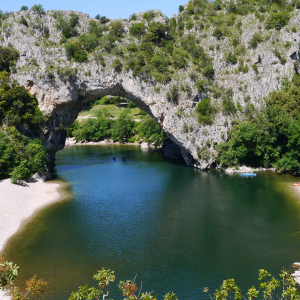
<point>43,61</point>
<point>63,104</point>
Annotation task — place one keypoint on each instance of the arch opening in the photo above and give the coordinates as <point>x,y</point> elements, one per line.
<point>61,120</point>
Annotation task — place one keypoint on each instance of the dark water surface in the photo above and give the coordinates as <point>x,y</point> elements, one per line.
<point>178,228</point>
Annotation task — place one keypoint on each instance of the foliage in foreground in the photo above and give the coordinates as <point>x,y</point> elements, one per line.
<point>269,287</point>
<point>8,273</point>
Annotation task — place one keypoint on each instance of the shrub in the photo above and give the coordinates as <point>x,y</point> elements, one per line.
<point>131,104</point>
<point>179,59</point>
<point>204,110</point>
<point>37,7</point>
<point>68,27</point>
<point>66,74</point>
<point>89,41</point>
<point>122,128</point>
<point>116,28</point>
<point>277,20</point>
<point>75,50</point>
<point>232,7</point>
<point>173,94</point>
<point>156,33</point>
<point>95,28</point>
<point>102,19</point>
<point>23,21</point>
<point>24,8</point>
<point>181,8</point>
<point>255,68</point>
<point>201,85</point>
<point>219,32</point>
<point>107,42</point>
<point>231,58</point>
<point>149,130</point>
<point>137,29</point>
<point>8,58</point>
<point>228,106</point>
<point>208,71</point>
<point>149,15</point>
<point>117,65</point>
<point>255,40</point>
<point>217,5</point>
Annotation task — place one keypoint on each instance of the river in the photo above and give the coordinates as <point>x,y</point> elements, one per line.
<point>178,228</point>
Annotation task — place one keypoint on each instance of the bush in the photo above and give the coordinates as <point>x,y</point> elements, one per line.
<point>8,58</point>
<point>179,59</point>
<point>23,21</point>
<point>173,94</point>
<point>219,32</point>
<point>102,19</point>
<point>255,40</point>
<point>149,130</point>
<point>92,129</point>
<point>204,110</point>
<point>24,8</point>
<point>89,41</point>
<point>267,140</point>
<point>231,58</point>
<point>67,27</point>
<point>149,15</point>
<point>156,33</point>
<point>20,157</point>
<point>131,104</point>
<point>122,128</point>
<point>117,65</point>
<point>95,28</point>
<point>137,29</point>
<point>75,50</point>
<point>228,106</point>
<point>278,20</point>
<point>201,86</point>
<point>116,28</point>
<point>37,7</point>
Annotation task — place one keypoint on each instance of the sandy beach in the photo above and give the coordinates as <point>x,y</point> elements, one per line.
<point>18,203</point>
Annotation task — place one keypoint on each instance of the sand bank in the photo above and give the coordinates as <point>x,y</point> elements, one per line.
<point>18,203</point>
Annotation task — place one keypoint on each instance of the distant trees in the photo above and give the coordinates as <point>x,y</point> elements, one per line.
<point>37,7</point>
<point>24,7</point>
<point>102,19</point>
<point>122,129</point>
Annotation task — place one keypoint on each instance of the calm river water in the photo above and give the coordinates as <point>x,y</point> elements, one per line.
<point>179,229</point>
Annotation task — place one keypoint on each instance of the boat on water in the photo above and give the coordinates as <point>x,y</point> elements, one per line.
<point>296,184</point>
<point>248,174</point>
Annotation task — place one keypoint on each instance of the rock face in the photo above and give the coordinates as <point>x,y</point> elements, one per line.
<point>61,87</point>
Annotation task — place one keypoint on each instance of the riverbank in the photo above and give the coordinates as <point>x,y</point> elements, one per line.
<point>72,142</point>
<point>19,203</point>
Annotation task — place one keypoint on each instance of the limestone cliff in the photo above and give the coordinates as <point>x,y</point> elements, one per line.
<point>62,85</point>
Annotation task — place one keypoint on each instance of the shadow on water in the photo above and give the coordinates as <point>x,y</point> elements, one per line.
<point>178,228</point>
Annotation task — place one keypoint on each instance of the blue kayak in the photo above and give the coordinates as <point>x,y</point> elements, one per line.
<point>248,174</point>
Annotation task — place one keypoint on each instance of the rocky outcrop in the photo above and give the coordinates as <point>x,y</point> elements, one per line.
<point>61,87</point>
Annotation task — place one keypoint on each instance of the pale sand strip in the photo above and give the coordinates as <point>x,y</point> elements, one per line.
<point>17,203</point>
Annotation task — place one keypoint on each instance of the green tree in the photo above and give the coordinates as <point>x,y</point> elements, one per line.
<point>122,128</point>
